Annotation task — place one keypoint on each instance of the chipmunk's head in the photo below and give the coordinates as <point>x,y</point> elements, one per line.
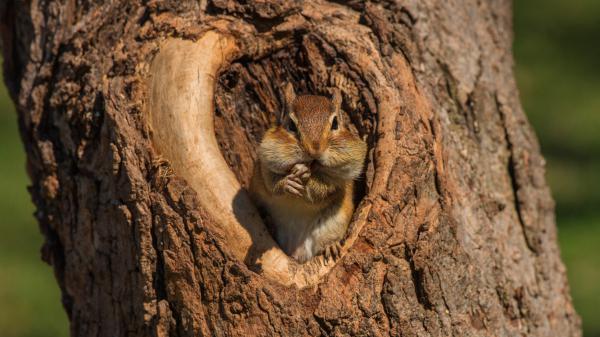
<point>312,131</point>
<point>313,121</point>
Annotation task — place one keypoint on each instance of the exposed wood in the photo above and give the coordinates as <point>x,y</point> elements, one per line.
<point>182,81</point>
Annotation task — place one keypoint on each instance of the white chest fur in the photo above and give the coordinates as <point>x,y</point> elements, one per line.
<point>303,230</point>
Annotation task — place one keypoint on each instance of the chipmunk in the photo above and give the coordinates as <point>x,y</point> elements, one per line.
<point>304,177</point>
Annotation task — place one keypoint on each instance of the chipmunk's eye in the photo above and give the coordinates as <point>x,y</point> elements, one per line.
<point>291,126</point>
<point>334,124</point>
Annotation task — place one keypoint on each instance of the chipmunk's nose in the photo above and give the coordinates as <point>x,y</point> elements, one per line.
<point>314,149</point>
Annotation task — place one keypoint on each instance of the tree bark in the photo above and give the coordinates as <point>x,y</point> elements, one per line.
<point>454,233</point>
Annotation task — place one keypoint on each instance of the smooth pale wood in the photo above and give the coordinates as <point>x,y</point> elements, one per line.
<point>181,108</point>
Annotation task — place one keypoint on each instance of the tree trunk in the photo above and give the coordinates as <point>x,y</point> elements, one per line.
<point>454,232</point>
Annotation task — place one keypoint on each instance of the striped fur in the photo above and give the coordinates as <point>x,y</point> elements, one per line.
<point>306,225</point>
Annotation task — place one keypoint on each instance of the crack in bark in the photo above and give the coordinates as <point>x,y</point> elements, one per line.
<point>158,279</point>
<point>418,280</point>
<point>324,326</point>
<point>511,168</point>
<point>515,188</point>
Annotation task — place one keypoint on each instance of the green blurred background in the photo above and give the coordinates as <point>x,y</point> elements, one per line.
<point>557,49</point>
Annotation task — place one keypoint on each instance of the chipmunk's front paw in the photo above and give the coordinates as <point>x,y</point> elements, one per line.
<point>301,171</point>
<point>294,182</point>
<point>333,251</point>
<point>293,185</point>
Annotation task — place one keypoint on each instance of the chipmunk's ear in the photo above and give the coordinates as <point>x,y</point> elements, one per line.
<point>289,96</point>
<point>336,100</point>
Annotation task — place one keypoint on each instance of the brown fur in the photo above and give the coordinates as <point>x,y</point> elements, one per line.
<point>306,225</point>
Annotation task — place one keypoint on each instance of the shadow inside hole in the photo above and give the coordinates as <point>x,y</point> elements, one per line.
<point>260,244</point>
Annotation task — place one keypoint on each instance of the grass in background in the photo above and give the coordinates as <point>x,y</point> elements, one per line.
<point>557,49</point>
<point>29,295</point>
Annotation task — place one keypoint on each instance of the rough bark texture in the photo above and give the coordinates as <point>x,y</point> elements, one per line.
<point>458,237</point>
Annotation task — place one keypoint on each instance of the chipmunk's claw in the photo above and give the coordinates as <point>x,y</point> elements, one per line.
<point>333,251</point>
<point>301,171</point>
<point>293,185</point>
